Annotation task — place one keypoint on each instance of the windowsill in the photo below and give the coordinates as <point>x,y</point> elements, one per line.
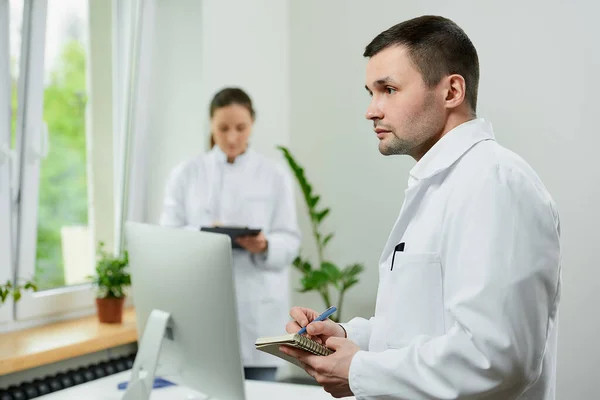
<point>29,348</point>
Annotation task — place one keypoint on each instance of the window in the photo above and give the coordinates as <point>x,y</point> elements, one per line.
<point>54,240</point>
<point>50,218</point>
<point>63,244</point>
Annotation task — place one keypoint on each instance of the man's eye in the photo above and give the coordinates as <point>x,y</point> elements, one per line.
<point>390,90</point>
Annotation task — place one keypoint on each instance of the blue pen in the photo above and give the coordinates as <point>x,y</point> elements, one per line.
<point>321,317</point>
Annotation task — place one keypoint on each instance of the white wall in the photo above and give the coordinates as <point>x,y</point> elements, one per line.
<point>245,44</point>
<point>202,46</point>
<point>175,122</point>
<point>539,86</point>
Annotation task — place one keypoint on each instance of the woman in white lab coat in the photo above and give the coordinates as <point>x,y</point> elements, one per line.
<point>232,184</point>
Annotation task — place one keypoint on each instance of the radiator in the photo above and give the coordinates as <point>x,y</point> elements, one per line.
<point>69,378</point>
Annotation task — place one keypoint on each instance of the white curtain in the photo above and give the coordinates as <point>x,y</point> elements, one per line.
<point>132,51</point>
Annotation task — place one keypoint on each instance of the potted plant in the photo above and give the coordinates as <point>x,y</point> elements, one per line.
<point>327,274</point>
<point>111,279</point>
<point>15,290</point>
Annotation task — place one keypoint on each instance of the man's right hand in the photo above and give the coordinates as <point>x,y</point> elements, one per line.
<point>319,331</point>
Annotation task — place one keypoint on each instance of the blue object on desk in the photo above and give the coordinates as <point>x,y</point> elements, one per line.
<point>321,317</point>
<point>158,383</point>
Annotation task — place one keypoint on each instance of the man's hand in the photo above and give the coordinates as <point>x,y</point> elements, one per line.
<point>319,331</point>
<point>331,371</point>
<point>254,244</point>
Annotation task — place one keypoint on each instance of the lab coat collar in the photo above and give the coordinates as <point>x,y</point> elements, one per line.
<point>451,147</point>
<point>221,157</point>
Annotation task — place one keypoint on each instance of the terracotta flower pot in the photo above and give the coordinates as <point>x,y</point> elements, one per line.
<point>110,310</point>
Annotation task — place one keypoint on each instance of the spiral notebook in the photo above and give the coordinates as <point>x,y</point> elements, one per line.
<point>271,345</point>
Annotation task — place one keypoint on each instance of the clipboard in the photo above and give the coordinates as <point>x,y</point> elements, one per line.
<point>233,232</point>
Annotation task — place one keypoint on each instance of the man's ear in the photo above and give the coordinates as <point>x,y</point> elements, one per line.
<point>456,90</point>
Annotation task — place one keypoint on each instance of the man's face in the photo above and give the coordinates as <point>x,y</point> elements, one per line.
<point>407,116</point>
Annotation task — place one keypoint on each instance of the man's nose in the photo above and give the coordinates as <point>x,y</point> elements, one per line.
<point>373,111</point>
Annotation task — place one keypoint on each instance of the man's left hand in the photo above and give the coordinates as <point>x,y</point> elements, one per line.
<point>254,244</point>
<point>331,371</point>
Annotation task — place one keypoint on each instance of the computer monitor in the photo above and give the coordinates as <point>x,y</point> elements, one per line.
<point>186,277</point>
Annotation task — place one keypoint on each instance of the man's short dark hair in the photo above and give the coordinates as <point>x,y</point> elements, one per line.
<point>437,47</point>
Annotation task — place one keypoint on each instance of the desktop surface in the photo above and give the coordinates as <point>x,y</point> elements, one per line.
<point>106,389</point>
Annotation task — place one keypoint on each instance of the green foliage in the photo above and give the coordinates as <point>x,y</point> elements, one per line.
<point>112,277</point>
<point>328,274</point>
<point>63,178</point>
<point>15,290</point>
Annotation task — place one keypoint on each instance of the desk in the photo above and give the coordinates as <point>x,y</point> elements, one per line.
<point>106,389</point>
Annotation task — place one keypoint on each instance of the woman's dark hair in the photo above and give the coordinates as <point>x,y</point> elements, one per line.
<point>226,97</point>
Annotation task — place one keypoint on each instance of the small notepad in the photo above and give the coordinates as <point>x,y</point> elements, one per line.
<point>271,345</point>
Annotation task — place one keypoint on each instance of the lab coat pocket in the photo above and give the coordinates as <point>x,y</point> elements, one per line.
<point>416,299</point>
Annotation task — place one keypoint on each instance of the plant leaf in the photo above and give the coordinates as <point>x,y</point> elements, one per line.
<point>348,284</point>
<point>112,275</point>
<point>315,280</point>
<point>302,265</point>
<point>327,239</point>
<point>314,200</point>
<point>319,216</point>
<point>306,267</point>
<point>332,271</point>
<point>352,270</point>
<point>305,186</point>
<point>350,275</point>
<point>318,237</point>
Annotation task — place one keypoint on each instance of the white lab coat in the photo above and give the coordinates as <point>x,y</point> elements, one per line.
<point>469,310</point>
<point>256,192</point>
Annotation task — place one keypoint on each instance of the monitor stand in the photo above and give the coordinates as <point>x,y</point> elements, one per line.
<point>144,367</point>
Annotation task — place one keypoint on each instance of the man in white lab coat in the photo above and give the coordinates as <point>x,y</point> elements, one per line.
<point>469,280</point>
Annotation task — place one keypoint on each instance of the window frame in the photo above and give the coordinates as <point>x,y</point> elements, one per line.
<point>6,216</point>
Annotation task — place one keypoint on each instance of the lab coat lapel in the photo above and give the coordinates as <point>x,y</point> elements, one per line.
<point>213,185</point>
<point>408,210</point>
<point>245,182</point>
